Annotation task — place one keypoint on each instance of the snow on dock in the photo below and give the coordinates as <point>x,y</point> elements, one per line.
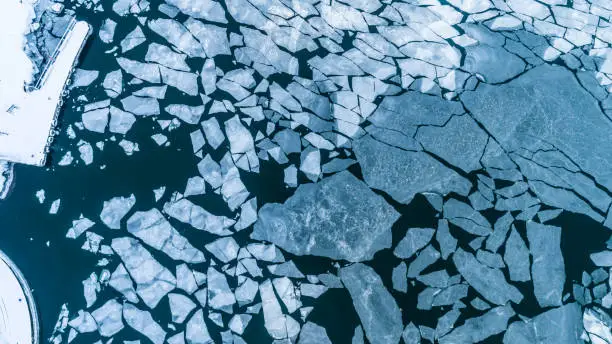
<point>18,315</point>
<point>28,118</point>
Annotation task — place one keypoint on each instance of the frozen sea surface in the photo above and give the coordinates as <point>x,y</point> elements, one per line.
<point>244,171</point>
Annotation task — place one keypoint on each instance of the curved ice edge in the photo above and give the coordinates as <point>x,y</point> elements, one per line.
<point>32,311</point>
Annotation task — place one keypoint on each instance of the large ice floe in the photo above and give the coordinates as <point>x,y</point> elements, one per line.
<point>345,171</point>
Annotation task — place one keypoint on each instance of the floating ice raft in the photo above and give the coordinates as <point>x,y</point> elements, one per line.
<point>26,125</point>
<point>18,315</point>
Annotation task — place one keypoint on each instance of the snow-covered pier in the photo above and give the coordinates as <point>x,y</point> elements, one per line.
<point>28,118</point>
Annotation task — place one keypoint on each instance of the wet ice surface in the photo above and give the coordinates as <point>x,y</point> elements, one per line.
<point>346,171</point>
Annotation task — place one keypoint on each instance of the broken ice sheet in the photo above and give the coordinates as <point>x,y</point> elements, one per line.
<point>115,209</point>
<point>379,314</point>
<point>489,282</point>
<point>188,212</point>
<point>153,283</point>
<point>153,229</point>
<point>220,295</point>
<point>350,208</point>
<point>278,325</point>
<point>79,227</point>
<point>142,321</point>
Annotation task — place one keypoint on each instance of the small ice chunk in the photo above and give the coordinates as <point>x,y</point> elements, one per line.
<point>109,318</point>
<point>425,258</point>
<point>468,219</point>
<point>239,137</point>
<point>159,193</point>
<point>144,71</point>
<point>267,253</point>
<point>414,240</point>
<point>197,140</point>
<point>436,279</point>
<point>167,57</point>
<point>209,10</point>
<point>208,76</point>
<point>286,269</point>
<point>188,212</point>
<point>79,226</point>
<point>288,140</point>
<point>379,314</point>
<point>115,209</point>
<point>212,37</point>
<point>180,307</point>
<point>278,325</point>
<point>55,206</point>
<point>152,283</point>
<point>107,30</point>
<point>120,121</point>
<point>548,268</point>
<point>489,282</point>
<point>177,35</point>
<point>287,293</point>
<point>246,291</point>
<point>313,334</point>
<point>85,151</point>
<point>220,295</point>
<point>153,229</point>
<point>95,120</point>
<point>225,249</point>
<point>500,231</point>
<point>159,139</point>
<point>557,325</point>
<point>603,258</point>
<point>447,242</point>
<point>84,322</point>
<point>213,132</point>
<point>66,160</point>
<point>547,215</point>
<point>92,242</point>
<point>113,83</point>
<point>178,338</point>
<point>195,186</point>
<point>310,163</point>
<point>248,214</point>
<point>399,279</point>
<point>477,329</point>
<point>411,334</point>
<point>141,106</point>
<point>91,286</point>
<point>142,322</point>
<point>516,255</point>
<point>239,322</point>
<point>312,290</point>
<point>121,281</point>
<point>185,279</point>
<point>188,114</point>
<point>125,7</point>
<point>196,331</point>
<point>133,39</point>
<point>40,195</point>
<point>82,77</point>
<point>290,174</point>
